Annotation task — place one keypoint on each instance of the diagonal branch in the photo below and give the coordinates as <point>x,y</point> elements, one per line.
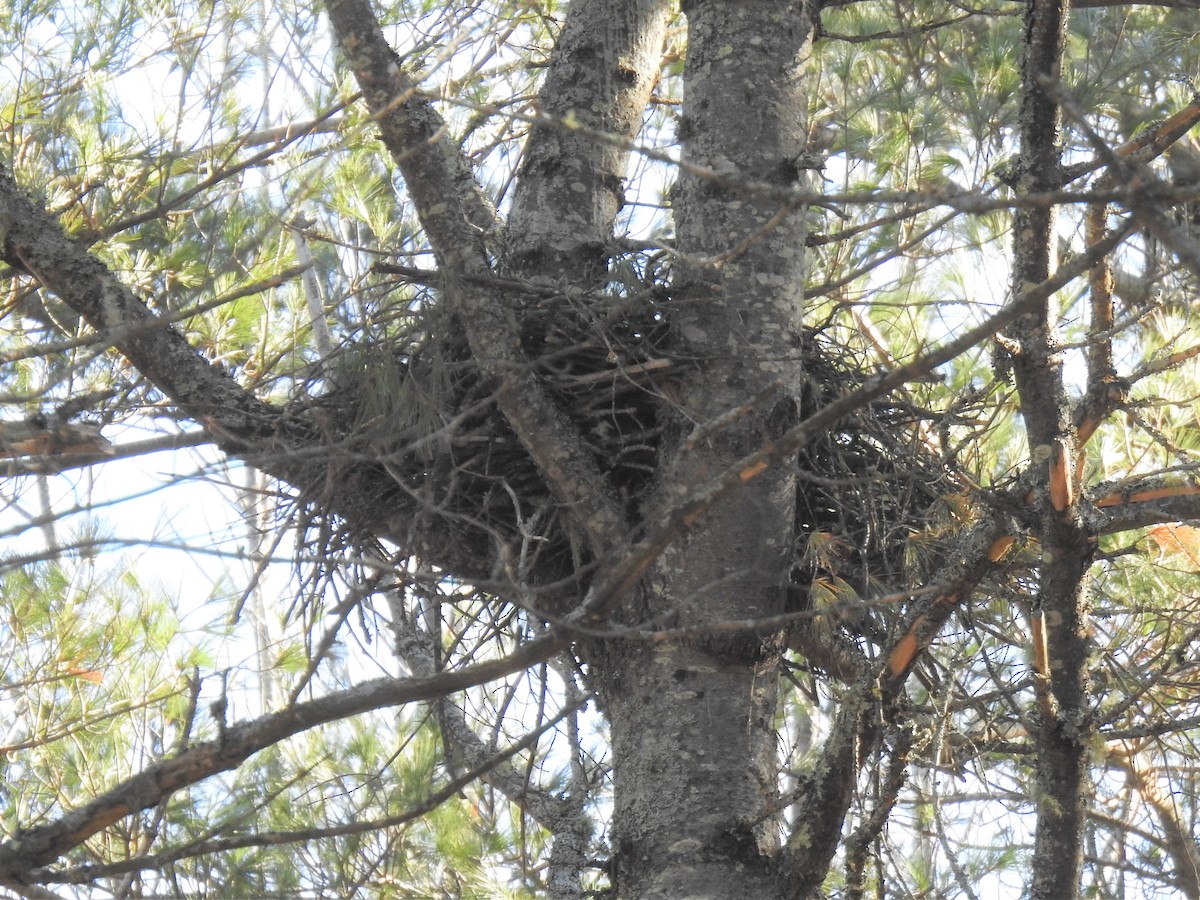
<point>278,441</point>
<point>38,846</point>
<point>868,831</point>
<point>457,222</point>
<point>88,873</point>
<point>30,240</point>
<point>1179,843</point>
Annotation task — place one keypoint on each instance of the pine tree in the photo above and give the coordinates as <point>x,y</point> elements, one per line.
<point>742,450</point>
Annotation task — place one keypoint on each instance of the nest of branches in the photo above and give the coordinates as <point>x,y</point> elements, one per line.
<point>867,486</point>
<point>414,406</point>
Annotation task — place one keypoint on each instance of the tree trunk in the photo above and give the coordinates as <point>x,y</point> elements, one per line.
<point>1059,618</point>
<point>692,720</point>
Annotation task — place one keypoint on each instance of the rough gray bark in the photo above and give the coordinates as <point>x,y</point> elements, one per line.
<point>590,106</point>
<point>691,726</point>
<point>1059,618</point>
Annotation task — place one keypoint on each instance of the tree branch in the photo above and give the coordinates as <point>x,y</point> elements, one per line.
<point>33,242</point>
<point>88,873</point>
<point>563,816</point>
<point>456,220</point>
<point>38,846</point>
<point>284,443</point>
<point>1180,844</point>
<point>599,79</point>
<point>1137,502</point>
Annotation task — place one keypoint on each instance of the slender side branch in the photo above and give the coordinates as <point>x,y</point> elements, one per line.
<point>822,806</point>
<point>975,554</point>
<point>1180,844</point>
<point>562,816</point>
<point>858,843</point>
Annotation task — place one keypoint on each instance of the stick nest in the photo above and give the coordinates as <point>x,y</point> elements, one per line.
<point>413,405</point>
